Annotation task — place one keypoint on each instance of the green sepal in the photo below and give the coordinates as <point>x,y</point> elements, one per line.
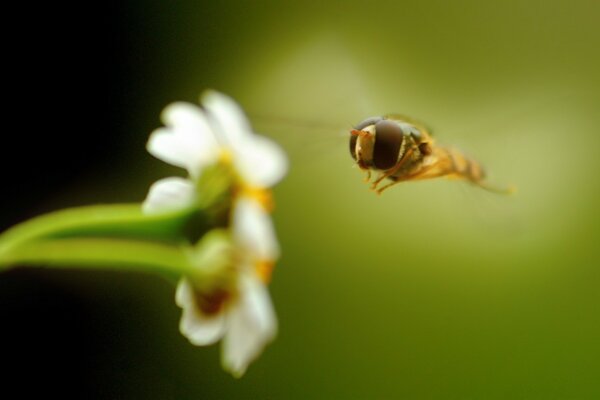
<point>215,188</point>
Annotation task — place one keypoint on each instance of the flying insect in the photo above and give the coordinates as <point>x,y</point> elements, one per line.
<point>401,149</point>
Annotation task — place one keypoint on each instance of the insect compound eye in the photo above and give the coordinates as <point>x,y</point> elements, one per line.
<point>388,140</point>
<point>369,121</point>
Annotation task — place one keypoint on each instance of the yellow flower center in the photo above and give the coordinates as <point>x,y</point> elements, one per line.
<point>261,195</point>
<point>264,270</point>
<point>226,157</point>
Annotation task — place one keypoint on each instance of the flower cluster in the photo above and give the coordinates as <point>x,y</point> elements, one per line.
<point>237,309</point>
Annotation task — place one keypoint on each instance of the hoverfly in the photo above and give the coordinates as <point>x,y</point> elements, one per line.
<point>402,150</point>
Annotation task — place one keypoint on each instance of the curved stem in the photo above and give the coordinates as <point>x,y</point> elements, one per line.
<point>108,254</point>
<point>110,221</point>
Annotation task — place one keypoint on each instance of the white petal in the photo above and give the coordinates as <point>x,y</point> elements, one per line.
<point>253,230</point>
<point>182,113</point>
<point>261,162</point>
<point>169,194</point>
<point>170,148</point>
<point>251,326</point>
<point>187,141</point>
<point>228,116</point>
<point>198,328</point>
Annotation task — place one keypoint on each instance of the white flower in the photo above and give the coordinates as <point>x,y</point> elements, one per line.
<point>195,138</point>
<point>246,322</point>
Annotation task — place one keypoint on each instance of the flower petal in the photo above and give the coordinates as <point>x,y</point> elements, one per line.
<point>198,328</point>
<point>182,113</point>
<point>166,146</point>
<point>229,118</point>
<point>253,230</point>
<point>169,194</point>
<point>188,141</point>
<point>251,326</point>
<point>261,162</point>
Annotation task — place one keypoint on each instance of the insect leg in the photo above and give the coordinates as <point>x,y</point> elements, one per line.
<point>381,189</point>
<point>418,175</point>
<point>392,170</point>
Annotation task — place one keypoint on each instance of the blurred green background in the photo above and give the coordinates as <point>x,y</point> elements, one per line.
<point>435,290</point>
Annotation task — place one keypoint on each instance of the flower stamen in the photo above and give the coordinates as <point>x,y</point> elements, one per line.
<point>225,156</point>
<point>264,270</point>
<point>262,196</point>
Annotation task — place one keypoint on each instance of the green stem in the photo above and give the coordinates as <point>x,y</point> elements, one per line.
<point>113,221</point>
<point>111,254</point>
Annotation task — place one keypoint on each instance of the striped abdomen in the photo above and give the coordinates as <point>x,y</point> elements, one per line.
<point>459,165</point>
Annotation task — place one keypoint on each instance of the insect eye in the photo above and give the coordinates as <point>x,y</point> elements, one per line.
<point>388,140</point>
<point>369,121</point>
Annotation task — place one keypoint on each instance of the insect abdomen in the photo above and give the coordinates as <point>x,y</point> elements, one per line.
<point>465,167</point>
